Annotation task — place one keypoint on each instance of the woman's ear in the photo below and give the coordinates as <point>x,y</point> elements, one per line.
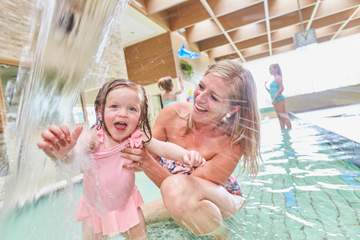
<point>234,109</point>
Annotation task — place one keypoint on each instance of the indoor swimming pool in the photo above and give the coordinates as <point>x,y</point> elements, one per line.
<point>308,188</point>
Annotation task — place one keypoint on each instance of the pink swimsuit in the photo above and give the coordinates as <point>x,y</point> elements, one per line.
<point>111,200</point>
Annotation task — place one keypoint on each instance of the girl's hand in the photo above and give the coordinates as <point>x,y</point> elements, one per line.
<point>194,159</point>
<point>58,141</point>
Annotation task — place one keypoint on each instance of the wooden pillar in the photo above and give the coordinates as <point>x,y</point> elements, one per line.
<point>2,109</point>
<point>149,60</point>
<point>83,107</point>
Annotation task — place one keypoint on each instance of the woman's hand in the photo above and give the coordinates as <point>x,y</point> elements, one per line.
<point>194,159</point>
<point>57,141</point>
<point>138,156</point>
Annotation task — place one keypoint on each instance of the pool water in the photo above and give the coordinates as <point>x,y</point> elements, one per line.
<point>308,188</point>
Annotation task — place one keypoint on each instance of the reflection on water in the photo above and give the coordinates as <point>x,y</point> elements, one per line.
<point>308,187</point>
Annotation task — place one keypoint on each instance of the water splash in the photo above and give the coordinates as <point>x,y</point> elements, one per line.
<point>67,36</point>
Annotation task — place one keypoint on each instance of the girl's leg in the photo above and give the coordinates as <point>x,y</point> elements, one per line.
<point>282,115</point>
<point>198,204</point>
<point>285,114</point>
<point>138,232</point>
<point>155,211</point>
<point>282,125</point>
<point>88,233</point>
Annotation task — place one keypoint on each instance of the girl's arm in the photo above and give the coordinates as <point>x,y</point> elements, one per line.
<point>57,142</point>
<point>166,149</point>
<point>175,152</point>
<point>266,87</point>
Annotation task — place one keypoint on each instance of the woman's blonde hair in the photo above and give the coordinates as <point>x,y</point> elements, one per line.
<point>244,125</point>
<point>166,84</point>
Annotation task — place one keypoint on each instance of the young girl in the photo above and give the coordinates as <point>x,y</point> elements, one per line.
<point>169,96</point>
<point>111,201</point>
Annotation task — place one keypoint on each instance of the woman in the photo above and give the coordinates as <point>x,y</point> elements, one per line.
<point>275,89</point>
<point>169,96</point>
<point>223,125</point>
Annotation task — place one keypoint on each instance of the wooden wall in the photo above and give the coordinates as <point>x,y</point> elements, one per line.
<point>149,60</point>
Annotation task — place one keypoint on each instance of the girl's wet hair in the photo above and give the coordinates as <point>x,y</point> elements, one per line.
<point>244,125</point>
<point>166,84</point>
<point>101,97</point>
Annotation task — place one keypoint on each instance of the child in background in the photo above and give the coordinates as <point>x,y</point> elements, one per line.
<point>169,96</point>
<point>111,202</point>
<point>275,89</point>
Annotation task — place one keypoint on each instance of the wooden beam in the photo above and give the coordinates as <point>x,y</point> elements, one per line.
<point>252,42</point>
<point>212,42</point>
<point>155,6</point>
<point>257,56</point>
<point>331,7</point>
<point>286,32</point>
<point>282,7</point>
<point>283,42</point>
<point>328,30</point>
<point>248,31</point>
<point>158,18</point>
<point>353,23</point>
<point>268,29</point>
<point>255,50</point>
<point>308,26</point>
<point>221,51</point>
<point>222,7</point>
<point>211,13</point>
<point>242,17</point>
<point>202,30</point>
<point>333,19</point>
<point>291,18</point>
<point>230,56</point>
<point>186,14</point>
<point>345,23</point>
<point>12,62</point>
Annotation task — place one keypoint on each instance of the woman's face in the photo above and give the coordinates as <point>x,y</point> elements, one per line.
<point>211,101</point>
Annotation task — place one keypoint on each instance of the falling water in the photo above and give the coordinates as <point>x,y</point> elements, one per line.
<point>66,38</point>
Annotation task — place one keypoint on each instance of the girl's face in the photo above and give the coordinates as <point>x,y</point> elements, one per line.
<point>122,112</point>
<point>211,100</point>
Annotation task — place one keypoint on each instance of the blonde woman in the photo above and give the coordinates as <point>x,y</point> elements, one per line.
<point>223,125</point>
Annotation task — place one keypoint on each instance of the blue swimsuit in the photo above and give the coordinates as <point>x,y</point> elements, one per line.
<point>168,102</point>
<point>273,89</point>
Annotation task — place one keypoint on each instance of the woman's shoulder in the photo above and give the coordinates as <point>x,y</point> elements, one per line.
<point>175,110</point>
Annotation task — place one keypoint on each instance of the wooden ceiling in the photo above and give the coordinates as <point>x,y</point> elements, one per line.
<point>251,29</point>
